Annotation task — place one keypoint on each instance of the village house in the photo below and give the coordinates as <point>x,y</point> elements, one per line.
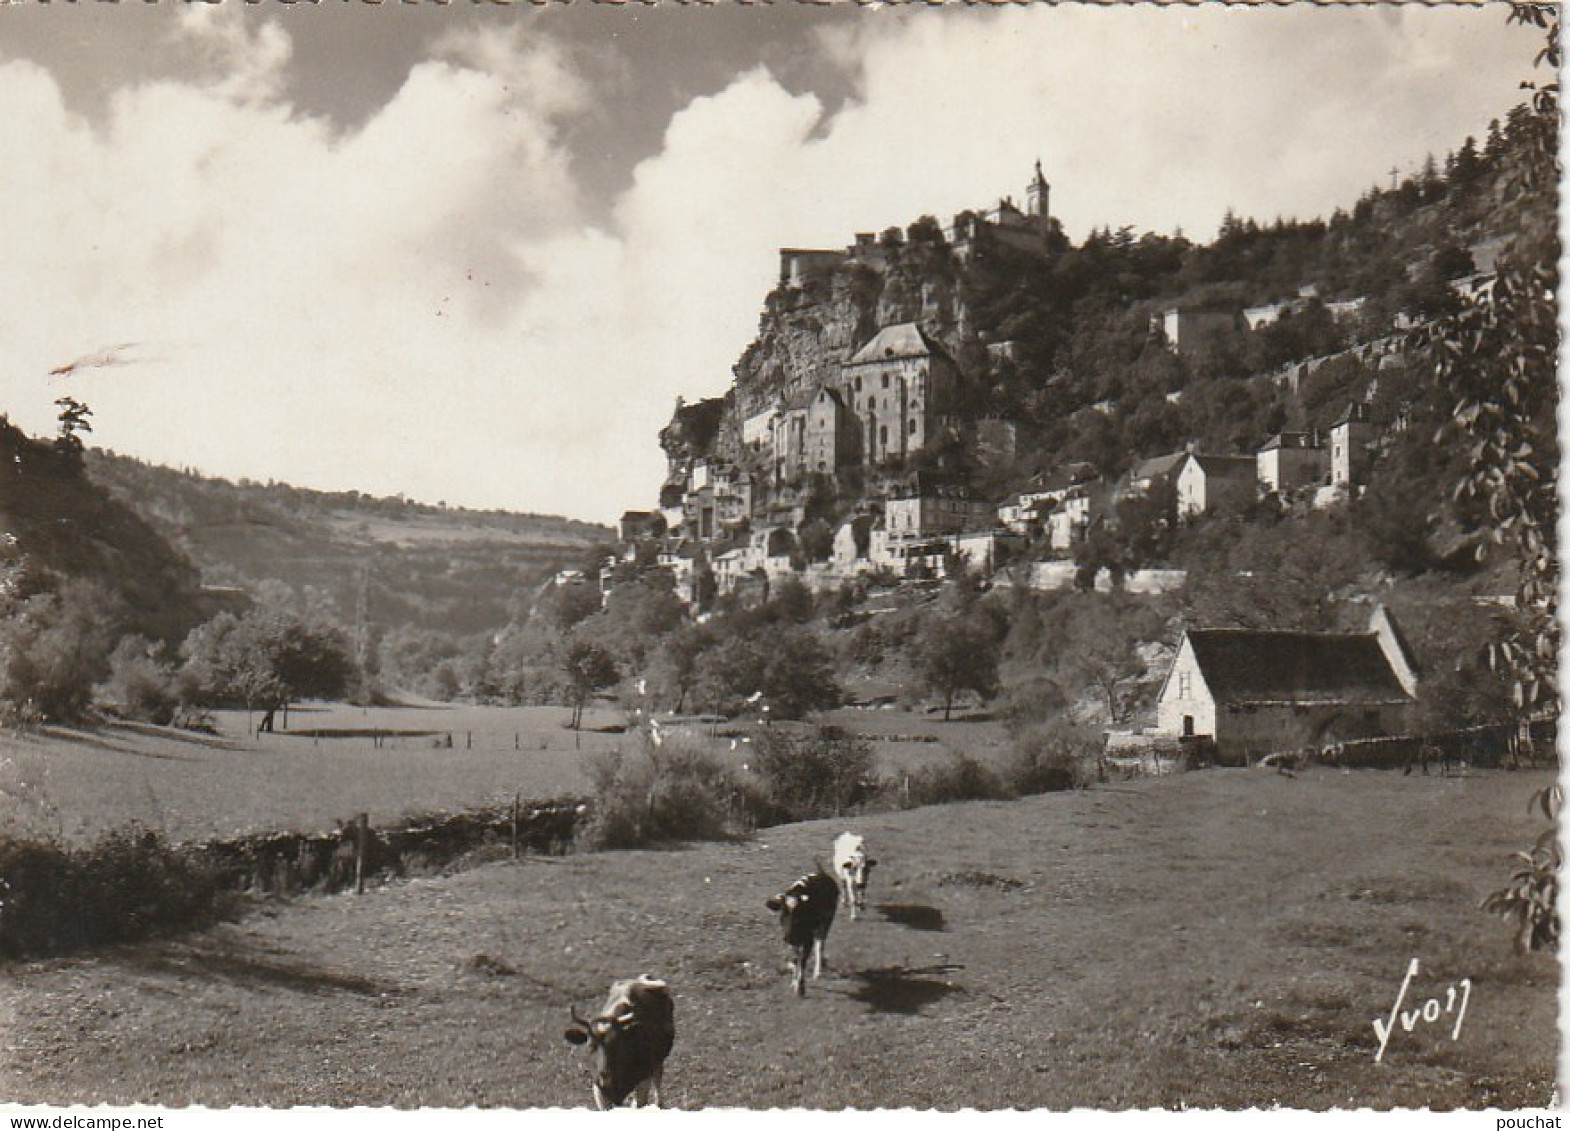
<point>729,567</point>
<point>1147,474</point>
<point>636,526</point>
<point>757,430</point>
<point>1350,437</point>
<point>853,544</point>
<point>1070,519</point>
<point>1290,460</point>
<point>1206,483</point>
<point>927,509</point>
<point>1254,692</point>
<point>830,436</point>
<point>788,437</point>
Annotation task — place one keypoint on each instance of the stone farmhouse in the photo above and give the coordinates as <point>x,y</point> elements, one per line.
<point>1252,692</point>
<point>1206,482</point>
<point>1290,460</point>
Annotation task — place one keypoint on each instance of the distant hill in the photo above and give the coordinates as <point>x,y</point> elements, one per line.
<point>441,568</point>
<point>60,524</point>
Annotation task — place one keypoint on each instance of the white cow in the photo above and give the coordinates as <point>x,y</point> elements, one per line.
<point>851,867</point>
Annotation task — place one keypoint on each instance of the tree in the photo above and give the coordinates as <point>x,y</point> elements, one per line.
<point>1497,358</point>
<point>563,606</point>
<point>674,670</point>
<point>1096,647</point>
<point>798,675</point>
<point>822,774</point>
<point>728,672</point>
<point>590,670</point>
<point>957,653</point>
<point>53,648</point>
<point>817,540</point>
<point>74,420</point>
<point>141,683</point>
<point>267,659</point>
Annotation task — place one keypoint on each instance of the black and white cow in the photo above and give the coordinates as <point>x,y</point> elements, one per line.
<point>806,911</point>
<point>851,867</point>
<point>629,1040</point>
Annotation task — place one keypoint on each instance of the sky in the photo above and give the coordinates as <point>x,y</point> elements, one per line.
<point>472,253</point>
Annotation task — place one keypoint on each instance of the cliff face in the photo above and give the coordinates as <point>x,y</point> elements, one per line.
<point>810,328</point>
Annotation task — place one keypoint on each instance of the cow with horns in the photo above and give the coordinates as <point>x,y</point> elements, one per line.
<point>629,1040</point>
<point>851,868</point>
<point>806,911</point>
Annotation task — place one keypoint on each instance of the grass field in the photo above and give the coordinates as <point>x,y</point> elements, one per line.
<point>1216,939</point>
<point>78,784</point>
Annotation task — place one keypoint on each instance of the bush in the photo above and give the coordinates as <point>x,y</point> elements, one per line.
<point>53,649</point>
<point>670,792</point>
<point>1059,756</point>
<point>140,686</point>
<point>959,778</point>
<point>130,885</point>
<point>825,772</point>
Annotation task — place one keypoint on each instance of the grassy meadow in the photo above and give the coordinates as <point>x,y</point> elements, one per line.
<point>75,784</point>
<point>1216,939</point>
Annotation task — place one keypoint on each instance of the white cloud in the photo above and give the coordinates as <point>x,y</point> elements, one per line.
<point>236,63</point>
<point>419,305</point>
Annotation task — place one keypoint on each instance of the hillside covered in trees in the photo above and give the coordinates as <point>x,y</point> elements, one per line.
<point>391,561</point>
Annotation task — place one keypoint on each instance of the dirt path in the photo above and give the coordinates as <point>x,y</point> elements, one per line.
<point>1219,939</point>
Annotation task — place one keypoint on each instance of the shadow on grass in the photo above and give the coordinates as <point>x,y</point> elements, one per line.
<point>900,989</point>
<point>254,971</point>
<point>357,732</point>
<point>98,741</point>
<point>916,916</point>
<point>201,738</point>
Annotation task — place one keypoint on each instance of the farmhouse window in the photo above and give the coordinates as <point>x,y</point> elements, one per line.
<point>885,380</point>
<point>1184,685</point>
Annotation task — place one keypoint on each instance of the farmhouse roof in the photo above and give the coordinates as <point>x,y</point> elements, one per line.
<point>1227,467</point>
<point>905,339</point>
<point>1062,478</point>
<point>1249,666</point>
<point>1157,466</point>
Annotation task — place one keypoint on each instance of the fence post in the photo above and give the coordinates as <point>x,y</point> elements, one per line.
<point>362,830</point>
<point>468,740</point>
<point>515,826</point>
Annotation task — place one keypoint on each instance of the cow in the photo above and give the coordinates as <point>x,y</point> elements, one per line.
<point>851,868</point>
<point>630,1040</point>
<point>806,911</point>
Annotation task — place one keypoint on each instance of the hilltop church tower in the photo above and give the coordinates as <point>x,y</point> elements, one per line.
<point>1038,201</point>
